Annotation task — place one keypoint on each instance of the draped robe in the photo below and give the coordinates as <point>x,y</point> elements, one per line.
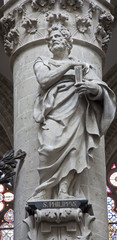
<point>70,125</point>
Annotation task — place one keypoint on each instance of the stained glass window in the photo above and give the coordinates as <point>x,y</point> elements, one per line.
<point>112,201</point>
<point>6,213</point>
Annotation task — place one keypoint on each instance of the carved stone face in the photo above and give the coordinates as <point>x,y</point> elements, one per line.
<point>57,41</point>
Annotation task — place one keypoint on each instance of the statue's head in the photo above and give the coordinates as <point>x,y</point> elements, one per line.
<point>59,38</point>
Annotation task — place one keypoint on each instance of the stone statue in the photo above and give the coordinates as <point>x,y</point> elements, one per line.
<point>74,109</point>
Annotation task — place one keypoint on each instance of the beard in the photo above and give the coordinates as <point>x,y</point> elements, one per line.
<point>57,47</point>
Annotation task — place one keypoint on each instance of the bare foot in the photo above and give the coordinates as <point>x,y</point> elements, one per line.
<point>64,195</point>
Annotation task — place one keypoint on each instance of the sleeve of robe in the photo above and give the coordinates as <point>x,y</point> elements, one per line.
<point>99,112</point>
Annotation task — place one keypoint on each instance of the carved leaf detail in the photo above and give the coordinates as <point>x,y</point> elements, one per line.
<point>103,31</point>
<point>41,4</point>
<point>92,9</point>
<point>53,17</point>
<point>11,40</point>
<point>74,4</point>
<point>82,24</point>
<point>30,25</point>
<point>10,33</point>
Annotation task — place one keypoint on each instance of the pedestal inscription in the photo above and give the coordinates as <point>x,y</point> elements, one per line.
<point>83,204</point>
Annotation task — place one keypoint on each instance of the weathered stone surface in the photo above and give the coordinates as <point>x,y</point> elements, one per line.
<point>25,45</point>
<point>65,223</point>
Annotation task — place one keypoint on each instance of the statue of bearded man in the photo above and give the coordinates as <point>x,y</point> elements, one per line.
<point>72,117</point>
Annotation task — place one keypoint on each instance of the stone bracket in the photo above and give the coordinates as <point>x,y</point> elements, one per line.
<point>72,222</point>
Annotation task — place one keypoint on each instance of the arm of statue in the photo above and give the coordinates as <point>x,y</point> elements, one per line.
<point>47,77</point>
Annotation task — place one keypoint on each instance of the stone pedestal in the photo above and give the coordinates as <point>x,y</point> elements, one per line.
<point>59,220</point>
<point>25,25</point>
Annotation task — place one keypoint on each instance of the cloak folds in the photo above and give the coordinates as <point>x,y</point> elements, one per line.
<point>70,127</point>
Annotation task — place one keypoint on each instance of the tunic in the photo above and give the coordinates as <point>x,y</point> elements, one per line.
<point>70,125</point>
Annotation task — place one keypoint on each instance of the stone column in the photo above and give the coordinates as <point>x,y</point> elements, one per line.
<point>25,25</point>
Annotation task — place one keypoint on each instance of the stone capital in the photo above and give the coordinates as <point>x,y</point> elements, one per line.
<point>27,22</point>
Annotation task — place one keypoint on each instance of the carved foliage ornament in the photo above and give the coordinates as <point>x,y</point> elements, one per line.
<point>10,33</point>
<point>6,24</point>
<point>60,216</point>
<point>72,3</point>
<point>9,30</point>
<point>20,10</point>
<point>56,18</point>
<point>92,9</point>
<point>103,32</point>
<point>82,24</point>
<point>40,4</point>
<point>30,25</point>
<point>11,40</point>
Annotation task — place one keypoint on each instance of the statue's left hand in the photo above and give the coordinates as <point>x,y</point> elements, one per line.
<point>87,88</point>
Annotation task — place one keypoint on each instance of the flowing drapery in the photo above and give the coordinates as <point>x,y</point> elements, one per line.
<point>70,126</point>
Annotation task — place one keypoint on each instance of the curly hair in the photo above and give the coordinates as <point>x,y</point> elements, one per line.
<point>65,33</point>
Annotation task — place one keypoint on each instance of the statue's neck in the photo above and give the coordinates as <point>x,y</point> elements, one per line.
<point>61,55</point>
